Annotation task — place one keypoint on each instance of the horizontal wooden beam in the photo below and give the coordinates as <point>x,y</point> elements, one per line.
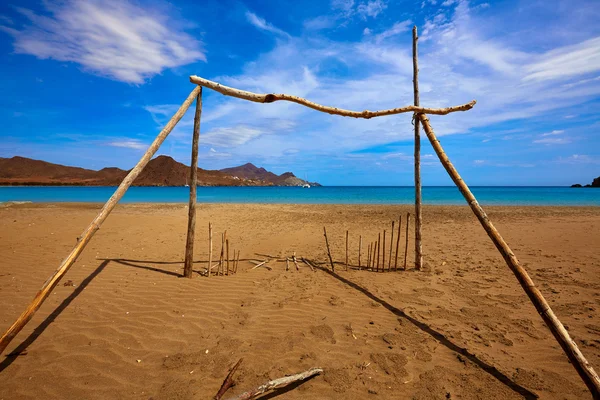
<point>270,98</point>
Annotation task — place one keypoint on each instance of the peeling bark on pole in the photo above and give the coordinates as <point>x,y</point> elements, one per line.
<point>418,248</point>
<point>270,98</point>
<point>89,232</point>
<point>585,370</point>
<point>191,229</point>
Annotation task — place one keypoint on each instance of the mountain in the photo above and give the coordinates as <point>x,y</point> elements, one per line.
<point>160,171</point>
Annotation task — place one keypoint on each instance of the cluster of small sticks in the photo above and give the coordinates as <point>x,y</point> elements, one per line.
<point>223,266</point>
<point>269,258</point>
<point>376,249</point>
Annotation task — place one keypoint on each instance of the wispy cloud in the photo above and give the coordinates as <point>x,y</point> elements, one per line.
<point>262,24</point>
<point>371,8</point>
<point>112,38</point>
<point>398,27</point>
<point>232,136</point>
<point>553,141</point>
<point>578,159</point>
<point>129,144</point>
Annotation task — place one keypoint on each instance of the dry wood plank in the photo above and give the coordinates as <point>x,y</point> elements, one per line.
<point>89,232</point>
<point>418,198</point>
<point>270,98</point>
<point>251,394</point>
<point>583,367</point>
<point>191,228</point>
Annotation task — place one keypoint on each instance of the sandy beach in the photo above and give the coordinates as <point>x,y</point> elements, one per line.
<point>130,328</point>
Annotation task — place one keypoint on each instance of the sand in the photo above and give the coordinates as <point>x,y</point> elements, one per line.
<point>131,328</point>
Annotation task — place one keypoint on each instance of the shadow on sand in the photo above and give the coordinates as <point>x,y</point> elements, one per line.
<point>490,369</point>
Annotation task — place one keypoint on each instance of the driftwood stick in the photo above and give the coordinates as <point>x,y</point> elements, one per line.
<point>346,250</point>
<point>251,394</point>
<point>270,98</point>
<point>191,228</point>
<point>398,243</point>
<point>228,382</point>
<point>209,247</point>
<point>89,232</point>
<point>406,246</point>
<point>359,248</point>
<point>237,262</point>
<point>418,208</point>
<point>585,370</point>
<point>227,246</point>
<point>328,251</point>
<point>369,256</point>
<point>265,255</point>
<point>378,250</point>
<point>308,263</point>
<point>295,261</point>
<point>391,247</point>
<point>383,253</point>
<point>373,250</point>
<point>259,265</point>
<point>221,258</point>
<point>287,264</point>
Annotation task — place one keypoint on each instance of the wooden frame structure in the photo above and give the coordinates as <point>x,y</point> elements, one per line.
<point>584,369</point>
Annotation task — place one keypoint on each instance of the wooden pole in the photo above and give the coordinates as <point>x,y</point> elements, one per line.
<point>374,246</point>
<point>378,250</point>
<point>406,247</point>
<point>585,370</point>
<point>346,250</point>
<point>418,248</point>
<point>359,248</point>
<point>237,262</point>
<point>368,255</point>
<point>271,97</point>
<point>191,228</point>
<point>89,232</point>
<point>227,247</point>
<point>228,382</point>
<point>328,251</point>
<point>391,247</point>
<point>209,247</point>
<point>398,243</point>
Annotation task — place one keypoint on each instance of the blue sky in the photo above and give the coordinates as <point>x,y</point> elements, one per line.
<point>90,83</point>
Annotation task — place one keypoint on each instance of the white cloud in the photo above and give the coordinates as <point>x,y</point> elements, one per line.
<point>113,38</point>
<point>371,8</point>
<point>398,27</point>
<point>564,62</point>
<point>262,24</point>
<point>319,23</point>
<point>129,144</point>
<point>231,136</point>
<point>578,159</point>
<point>554,132</point>
<point>553,141</point>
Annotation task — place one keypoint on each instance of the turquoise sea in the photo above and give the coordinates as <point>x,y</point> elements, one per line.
<point>447,195</point>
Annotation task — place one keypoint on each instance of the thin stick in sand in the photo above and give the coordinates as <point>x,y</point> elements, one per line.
<point>359,248</point>
<point>227,247</point>
<point>406,247</point>
<point>287,264</point>
<point>89,232</point>
<point>582,366</point>
<point>398,243</point>
<point>346,250</point>
<point>305,261</point>
<point>209,247</point>
<point>295,261</point>
<point>252,394</point>
<point>374,249</point>
<point>228,382</point>
<point>260,265</point>
<point>391,247</point>
<point>191,228</point>
<point>378,250</point>
<point>328,251</point>
<point>383,254</point>
<point>220,270</point>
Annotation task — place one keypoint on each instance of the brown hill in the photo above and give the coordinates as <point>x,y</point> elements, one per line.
<point>160,171</point>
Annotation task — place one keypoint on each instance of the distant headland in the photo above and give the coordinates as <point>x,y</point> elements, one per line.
<point>160,171</point>
<point>595,183</point>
